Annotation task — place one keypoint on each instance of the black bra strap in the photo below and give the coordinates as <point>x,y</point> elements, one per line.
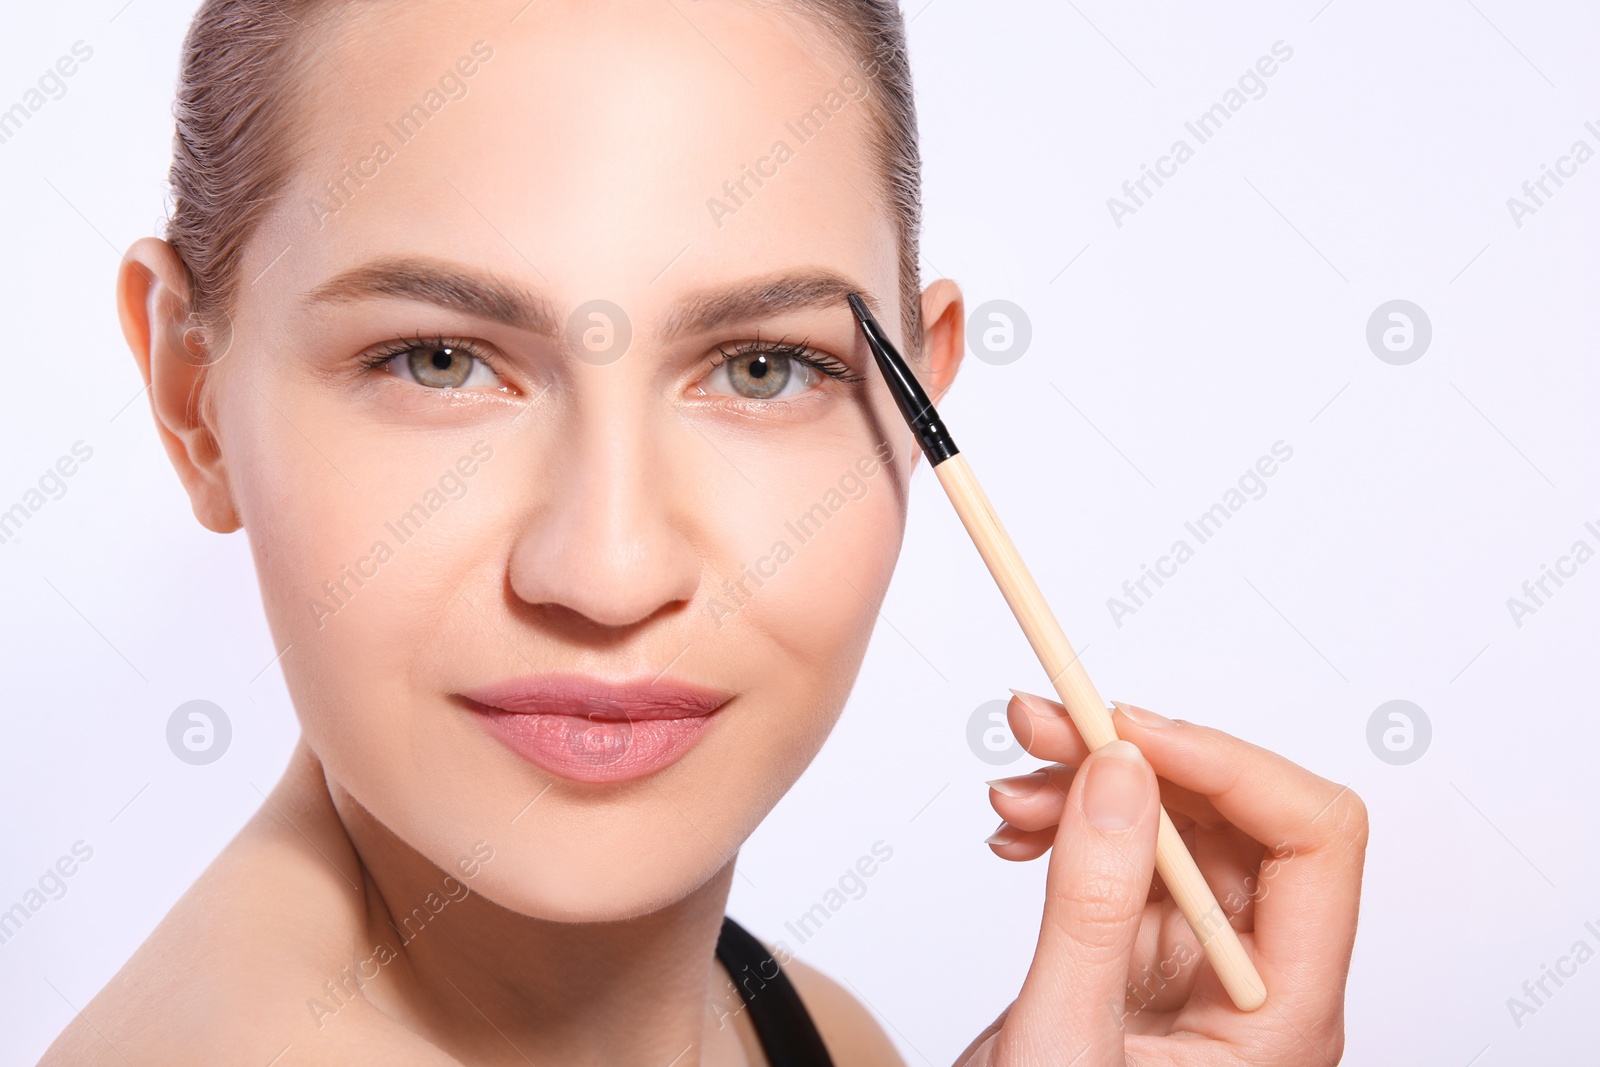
<point>788,1036</point>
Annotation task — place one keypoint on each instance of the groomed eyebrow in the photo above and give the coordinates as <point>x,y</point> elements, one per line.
<point>481,294</point>
<point>776,295</point>
<point>473,292</point>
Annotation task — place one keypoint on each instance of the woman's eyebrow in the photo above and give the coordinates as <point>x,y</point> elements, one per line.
<point>771,295</point>
<point>458,288</point>
<point>482,294</point>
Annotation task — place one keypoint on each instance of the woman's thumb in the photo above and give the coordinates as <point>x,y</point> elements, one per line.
<point>1101,864</point>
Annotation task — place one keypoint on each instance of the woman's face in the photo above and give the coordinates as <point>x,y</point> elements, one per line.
<point>546,221</point>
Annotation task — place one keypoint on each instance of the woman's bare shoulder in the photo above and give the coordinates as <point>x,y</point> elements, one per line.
<point>848,1028</point>
<point>248,966</point>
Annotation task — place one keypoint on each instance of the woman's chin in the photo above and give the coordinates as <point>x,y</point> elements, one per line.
<point>599,893</point>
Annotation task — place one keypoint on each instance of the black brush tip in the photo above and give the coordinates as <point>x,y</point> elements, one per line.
<point>903,385</point>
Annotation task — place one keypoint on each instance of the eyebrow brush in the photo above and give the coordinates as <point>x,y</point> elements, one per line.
<point>1088,711</point>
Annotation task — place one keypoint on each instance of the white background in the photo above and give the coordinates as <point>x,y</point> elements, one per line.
<point>1228,313</point>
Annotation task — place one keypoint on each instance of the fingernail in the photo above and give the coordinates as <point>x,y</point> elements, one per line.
<point>1143,716</point>
<point>1113,795</point>
<point>1039,705</point>
<point>1003,835</point>
<point>1022,785</point>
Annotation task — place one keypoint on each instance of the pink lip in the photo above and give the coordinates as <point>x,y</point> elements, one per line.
<point>590,730</point>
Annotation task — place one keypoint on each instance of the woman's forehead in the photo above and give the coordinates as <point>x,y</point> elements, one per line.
<point>581,153</point>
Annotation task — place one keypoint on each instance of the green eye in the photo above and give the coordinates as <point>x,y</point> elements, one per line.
<point>435,363</point>
<point>761,376</point>
<point>440,368</point>
<point>766,373</point>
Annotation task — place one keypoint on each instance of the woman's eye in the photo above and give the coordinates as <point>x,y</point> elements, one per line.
<point>441,367</point>
<point>762,376</point>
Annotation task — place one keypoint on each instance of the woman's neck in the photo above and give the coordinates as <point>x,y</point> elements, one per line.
<point>489,985</point>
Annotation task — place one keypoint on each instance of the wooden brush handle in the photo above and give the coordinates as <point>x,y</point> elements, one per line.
<point>1093,720</point>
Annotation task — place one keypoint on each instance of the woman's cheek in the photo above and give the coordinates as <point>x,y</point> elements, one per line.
<point>818,562</point>
<point>359,545</point>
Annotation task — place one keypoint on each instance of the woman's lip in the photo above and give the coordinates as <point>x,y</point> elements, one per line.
<point>597,699</point>
<point>591,730</point>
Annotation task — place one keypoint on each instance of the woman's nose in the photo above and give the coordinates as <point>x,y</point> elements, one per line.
<point>607,538</point>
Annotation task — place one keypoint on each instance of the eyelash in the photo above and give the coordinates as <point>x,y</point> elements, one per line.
<point>798,351</point>
<point>401,345</point>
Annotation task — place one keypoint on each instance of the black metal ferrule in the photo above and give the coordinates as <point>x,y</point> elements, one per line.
<point>907,391</point>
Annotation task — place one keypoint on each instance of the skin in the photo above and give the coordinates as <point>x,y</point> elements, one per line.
<point>1118,976</point>
<point>618,501</point>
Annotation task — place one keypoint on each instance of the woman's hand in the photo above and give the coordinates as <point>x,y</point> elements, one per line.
<point>1118,977</point>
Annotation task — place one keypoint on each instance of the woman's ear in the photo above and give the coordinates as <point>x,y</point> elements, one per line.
<point>175,356</point>
<point>943,336</point>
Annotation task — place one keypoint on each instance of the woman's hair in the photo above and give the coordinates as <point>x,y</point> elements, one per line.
<point>234,145</point>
